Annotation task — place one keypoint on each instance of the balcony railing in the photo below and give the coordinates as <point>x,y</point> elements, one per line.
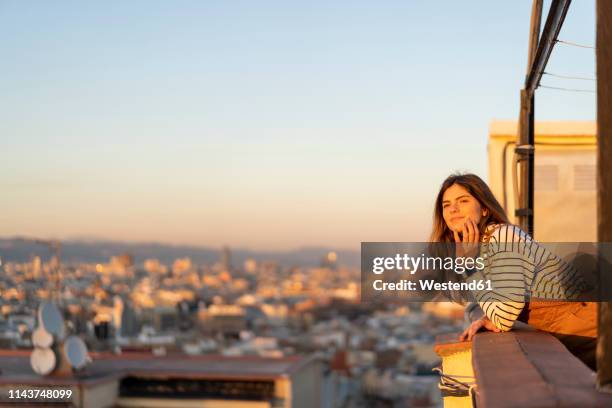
<point>519,368</point>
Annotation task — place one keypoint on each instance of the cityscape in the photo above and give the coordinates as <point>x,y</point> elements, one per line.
<point>370,354</point>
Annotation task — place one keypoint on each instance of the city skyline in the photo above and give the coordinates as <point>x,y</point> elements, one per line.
<point>268,126</point>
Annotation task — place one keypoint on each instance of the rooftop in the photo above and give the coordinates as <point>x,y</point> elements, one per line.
<point>509,128</point>
<point>15,366</point>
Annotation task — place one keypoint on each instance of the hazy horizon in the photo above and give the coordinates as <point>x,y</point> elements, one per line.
<point>102,240</point>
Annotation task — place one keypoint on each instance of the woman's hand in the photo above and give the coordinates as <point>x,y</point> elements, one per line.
<point>467,244</point>
<point>476,325</point>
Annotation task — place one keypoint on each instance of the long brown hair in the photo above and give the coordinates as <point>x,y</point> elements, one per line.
<point>481,192</point>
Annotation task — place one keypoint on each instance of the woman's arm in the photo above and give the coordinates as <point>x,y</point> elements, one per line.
<point>502,314</point>
<point>505,268</point>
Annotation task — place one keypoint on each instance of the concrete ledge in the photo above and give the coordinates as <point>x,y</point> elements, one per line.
<point>531,369</point>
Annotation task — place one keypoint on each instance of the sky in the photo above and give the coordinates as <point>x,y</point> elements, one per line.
<point>260,124</point>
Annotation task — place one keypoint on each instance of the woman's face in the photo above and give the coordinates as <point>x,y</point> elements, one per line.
<point>458,205</point>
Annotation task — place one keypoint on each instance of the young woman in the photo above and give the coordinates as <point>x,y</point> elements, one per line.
<point>468,215</point>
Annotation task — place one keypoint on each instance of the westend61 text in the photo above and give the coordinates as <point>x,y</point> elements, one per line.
<point>431,284</point>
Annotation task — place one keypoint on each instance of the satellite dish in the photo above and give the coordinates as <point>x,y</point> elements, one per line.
<point>51,319</point>
<point>75,351</point>
<point>42,338</point>
<point>43,361</point>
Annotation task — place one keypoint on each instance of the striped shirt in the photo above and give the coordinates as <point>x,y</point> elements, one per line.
<point>520,269</point>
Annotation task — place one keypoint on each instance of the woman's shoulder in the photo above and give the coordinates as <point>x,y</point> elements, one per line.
<point>504,233</point>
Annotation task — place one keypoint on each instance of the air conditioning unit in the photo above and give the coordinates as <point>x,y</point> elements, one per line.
<point>564,180</point>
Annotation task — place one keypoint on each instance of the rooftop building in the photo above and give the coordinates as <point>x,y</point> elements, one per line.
<point>137,380</point>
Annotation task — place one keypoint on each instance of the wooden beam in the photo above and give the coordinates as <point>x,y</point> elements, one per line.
<point>604,182</point>
<point>525,151</point>
<point>554,21</point>
<point>534,32</point>
<point>525,147</point>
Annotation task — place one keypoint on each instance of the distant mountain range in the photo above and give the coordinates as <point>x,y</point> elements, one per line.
<point>14,249</point>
